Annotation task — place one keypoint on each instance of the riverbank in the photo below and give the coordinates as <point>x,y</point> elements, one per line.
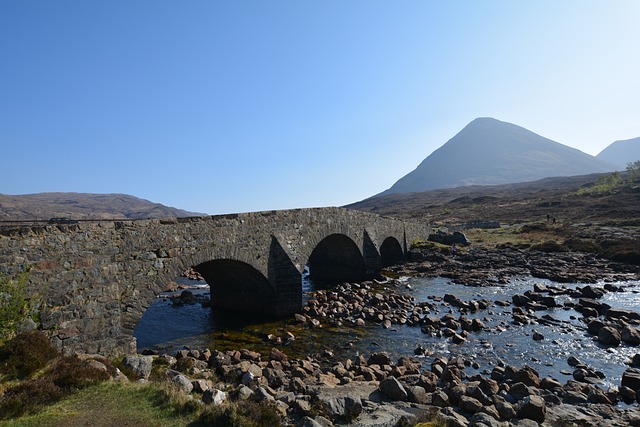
<point>454,387</point>
<point>377,389</point>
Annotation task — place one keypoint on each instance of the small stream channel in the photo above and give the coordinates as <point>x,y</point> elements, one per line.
<point>167,328</point>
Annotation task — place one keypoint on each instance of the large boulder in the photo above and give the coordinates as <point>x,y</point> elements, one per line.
<point>469,405</point>
<point>609,335</point>
<point>140,366</point>
<point>631,335</point>
<point>449,239</point>
<point>533,408</point>
<point>631,379</point>
<point>343,402</point>
<point>392,388</point>
<point>180,380</point>
<point>380,358</point>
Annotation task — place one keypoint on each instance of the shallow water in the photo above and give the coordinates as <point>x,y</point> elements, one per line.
<point>169,328</point>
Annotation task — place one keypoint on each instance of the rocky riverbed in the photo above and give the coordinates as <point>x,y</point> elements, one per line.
<point>381,390</point>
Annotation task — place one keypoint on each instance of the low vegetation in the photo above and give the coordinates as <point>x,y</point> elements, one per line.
<point>24,355</point>
<point>608,184</point>
<point>41,387</point>
<point>16,304</point>
<point>35,374</point>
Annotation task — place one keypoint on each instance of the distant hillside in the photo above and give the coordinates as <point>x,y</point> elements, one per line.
<point>43,206</point>
<point>488,151</point>
<point>620,153</point>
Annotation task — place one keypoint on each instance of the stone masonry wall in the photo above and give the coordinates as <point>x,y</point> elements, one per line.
<point>98,278</point>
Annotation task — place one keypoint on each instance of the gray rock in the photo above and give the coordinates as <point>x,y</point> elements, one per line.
<point>392,388</point>
<point>429,381</point>
<point>244,393</point>
<point>345,401</point>
<point>308,422</point>
<point>609,335</point>
<point>533,408</point>
<point>506,410</point>
<point>526,423</point>
<point>27,325</point>
<point>477,393</point>
<point>139,365</point>
<point>440,398</point>
<point>630,335</point>
<point>248,378</point>
<point>489,386</point>
<point>628,395</point>
<point>549,383</point>
<point>323,421</point>
<point>180,380</point>
<point>519,391</point>
<point>301,407</point>
<point>481,419</point>
<point>573,397</point>
<point>261,394</point>
<point>200,385</point>
<point>416,394</point>
<point>380,358</point>
<point>469,405</point>
<point>167,360</point>
<point>214,397</point>
<point>631,379</point>
<point>451,418</point>
<point>342,408</point>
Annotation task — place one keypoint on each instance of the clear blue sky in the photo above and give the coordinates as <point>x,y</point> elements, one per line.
<point>232,106</point>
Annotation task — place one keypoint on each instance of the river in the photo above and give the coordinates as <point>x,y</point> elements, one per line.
<point>167,328</point>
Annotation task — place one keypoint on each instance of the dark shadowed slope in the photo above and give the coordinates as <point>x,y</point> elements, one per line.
<point>43,206</point>
<point>488,151</point>
<point>620,153</point>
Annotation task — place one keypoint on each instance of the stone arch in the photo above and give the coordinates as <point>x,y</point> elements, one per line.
<point>236,285</point>
<point>337,258</point>
<point>391,252</point>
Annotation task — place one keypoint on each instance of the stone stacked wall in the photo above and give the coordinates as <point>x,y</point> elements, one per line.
<point>98,278</point>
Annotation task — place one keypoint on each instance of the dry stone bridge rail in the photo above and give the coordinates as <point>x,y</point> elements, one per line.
<point>98,278</point>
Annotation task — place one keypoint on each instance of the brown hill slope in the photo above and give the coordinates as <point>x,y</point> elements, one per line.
<point>605,223</point>
<point>514,203</point>
<point>79,206</point>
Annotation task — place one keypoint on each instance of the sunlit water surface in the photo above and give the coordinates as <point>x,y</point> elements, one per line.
<point>167,328</point>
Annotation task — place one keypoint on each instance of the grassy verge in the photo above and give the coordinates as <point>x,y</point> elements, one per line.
<point>515,235</point>
<point>111,404</point>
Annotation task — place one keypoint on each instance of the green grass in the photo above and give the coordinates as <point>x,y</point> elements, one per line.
<point>493,237</point>
<point>112,404</point>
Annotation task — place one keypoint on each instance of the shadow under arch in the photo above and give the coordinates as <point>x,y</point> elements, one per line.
<point>391,252</point>
<point>238,286</point>
<point>337,258</point>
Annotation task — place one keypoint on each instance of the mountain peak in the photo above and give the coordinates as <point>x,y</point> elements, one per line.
<point>489,151</point>
<point>622,152</point>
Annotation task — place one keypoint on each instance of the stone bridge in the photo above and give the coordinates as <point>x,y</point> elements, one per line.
<point>98,278</point>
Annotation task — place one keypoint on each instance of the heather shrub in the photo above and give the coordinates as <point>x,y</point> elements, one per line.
<point>582,245</point>
<point>62,377</point>
<point>549,246</point>
<point>246,414</point>
<point>622,250</point>
<point>25,354</point>
<point>29,397</point>
<point>71,374</point>
<point>534,227</point>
